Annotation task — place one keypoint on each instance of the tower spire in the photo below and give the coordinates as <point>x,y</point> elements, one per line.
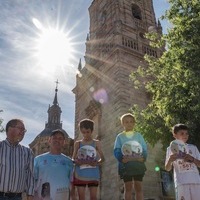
<point>80,65</point>
<point>54,113</point>
<point>55,101</point>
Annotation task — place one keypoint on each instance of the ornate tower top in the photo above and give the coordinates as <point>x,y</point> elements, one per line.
<point>54,113</point>
<point>40,143</point>
<point>55,102</point>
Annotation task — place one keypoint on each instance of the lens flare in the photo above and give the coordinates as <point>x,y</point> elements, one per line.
<point>101,96</point>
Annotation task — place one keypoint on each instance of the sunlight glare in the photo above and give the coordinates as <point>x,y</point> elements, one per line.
<point>53,47</point>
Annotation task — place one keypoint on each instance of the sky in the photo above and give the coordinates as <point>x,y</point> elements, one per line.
<point>29,71</point>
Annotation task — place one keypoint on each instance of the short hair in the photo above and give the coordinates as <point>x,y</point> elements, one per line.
<point>56,131</point>
<point>179,127</point>
<point>127,115</point>
<point>12,123</point>
<point>87,124</point>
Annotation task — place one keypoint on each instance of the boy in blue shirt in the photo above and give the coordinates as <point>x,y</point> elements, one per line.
<point>130,150</point>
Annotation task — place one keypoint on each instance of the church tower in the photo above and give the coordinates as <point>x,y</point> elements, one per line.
<point>40,144</point>
<point>115,47</point>
<point>54,113</point>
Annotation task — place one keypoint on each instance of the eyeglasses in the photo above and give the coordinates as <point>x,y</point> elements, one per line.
<point>20,128</point>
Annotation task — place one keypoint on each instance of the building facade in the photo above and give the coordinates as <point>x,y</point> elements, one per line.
<point>115,47</point>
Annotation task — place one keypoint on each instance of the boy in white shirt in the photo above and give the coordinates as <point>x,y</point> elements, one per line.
<point>185,166</point>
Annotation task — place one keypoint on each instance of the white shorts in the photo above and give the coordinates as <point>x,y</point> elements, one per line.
<point>188,192</point>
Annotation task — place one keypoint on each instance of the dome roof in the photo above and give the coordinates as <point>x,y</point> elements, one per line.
<point>46,133</point>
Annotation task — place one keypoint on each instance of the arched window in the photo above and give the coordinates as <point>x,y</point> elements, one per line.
<point>103,17</point>
<point>136,12</point>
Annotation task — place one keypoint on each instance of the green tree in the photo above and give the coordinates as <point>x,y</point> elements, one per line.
<point>174,78</point>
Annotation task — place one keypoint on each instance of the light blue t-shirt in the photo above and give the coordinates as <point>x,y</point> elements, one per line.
<point>132,145</point>
<point>52,176</point>
<point>122,138</point>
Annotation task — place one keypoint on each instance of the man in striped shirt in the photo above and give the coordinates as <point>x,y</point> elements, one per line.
<point>16,164</point>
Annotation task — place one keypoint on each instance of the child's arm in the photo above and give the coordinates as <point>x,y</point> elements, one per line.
<point>74,155</point>
<point>99,150</point>
<point>189,158</point>
<point>196,162</point>
<point>118,154</point>
<point>117,149</point>
<point>144,149</point>
<point>168,164</point>
<point>76,146</point>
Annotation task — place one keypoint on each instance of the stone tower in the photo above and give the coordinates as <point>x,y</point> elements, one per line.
<point>40,144</point>
<point>115,47</point>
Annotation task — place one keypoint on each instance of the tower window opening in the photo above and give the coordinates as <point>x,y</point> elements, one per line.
<point>136,12</point>
<point>132,44</point>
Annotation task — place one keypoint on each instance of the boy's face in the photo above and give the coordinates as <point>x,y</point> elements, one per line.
<point>182,135</point>
<point>128,123</point>
<point>87,133</point>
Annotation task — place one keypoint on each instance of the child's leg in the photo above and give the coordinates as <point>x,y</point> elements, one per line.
<point>195,191</point>
<point>188,191</point>
<point>73,192</point>
<point>138,190</point>
<point>81,192</point>
<point>183,192</point>
<point>93,192</point>
<point>128,190</point>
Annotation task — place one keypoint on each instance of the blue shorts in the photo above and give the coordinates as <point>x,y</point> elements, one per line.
<point>134,177</point>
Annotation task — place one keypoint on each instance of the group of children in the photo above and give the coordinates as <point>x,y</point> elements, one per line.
<point>130,150</point>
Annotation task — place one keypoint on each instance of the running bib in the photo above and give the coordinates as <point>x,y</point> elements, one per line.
<point>185,166</point>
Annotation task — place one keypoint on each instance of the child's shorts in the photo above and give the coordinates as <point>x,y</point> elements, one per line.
<point>81,183</point>
<point>188,191</point>
<point>134,177</point>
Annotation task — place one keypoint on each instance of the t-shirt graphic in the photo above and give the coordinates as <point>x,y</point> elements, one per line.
<point>45,193</point>
<point>132,149</point>
<point>60,193</point>
<point>87,153</point>
<point>178,147</point>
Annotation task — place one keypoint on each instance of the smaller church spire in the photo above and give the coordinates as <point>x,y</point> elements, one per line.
<point>55,101</point>
<point>88,37</point>
<point>159,27</point>
<point>80,65</point>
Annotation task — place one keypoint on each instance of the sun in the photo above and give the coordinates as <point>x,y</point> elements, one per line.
<point>53,46</point>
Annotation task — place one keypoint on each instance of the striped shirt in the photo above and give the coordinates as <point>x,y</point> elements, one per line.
<point>16,168</point>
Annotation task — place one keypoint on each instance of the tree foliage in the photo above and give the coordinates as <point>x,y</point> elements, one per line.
<point>174,78</point>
